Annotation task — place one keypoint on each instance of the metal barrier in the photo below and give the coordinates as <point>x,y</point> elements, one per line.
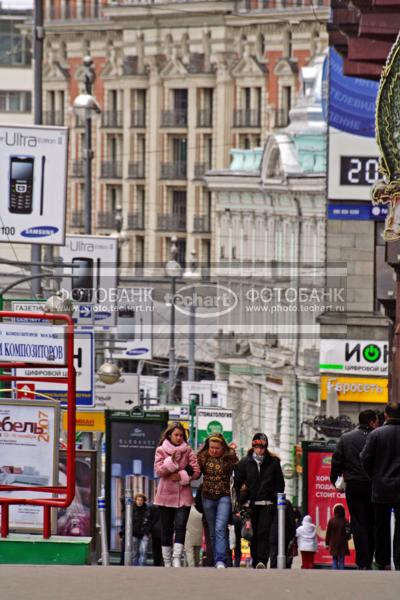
<point>281,563</point>
<point>128,525</point>
<point>101,505</point>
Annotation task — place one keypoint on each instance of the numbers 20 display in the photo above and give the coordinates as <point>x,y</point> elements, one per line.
<point>359,170</point>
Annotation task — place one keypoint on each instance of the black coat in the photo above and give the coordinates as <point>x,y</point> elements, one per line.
<point>381,461</point>
<point>263,484</point>
<point>346,458</point>
<point>140,520</point>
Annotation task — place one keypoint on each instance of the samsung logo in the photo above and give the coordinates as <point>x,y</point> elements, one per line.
<point>136,351</point>
<point>38,232</point>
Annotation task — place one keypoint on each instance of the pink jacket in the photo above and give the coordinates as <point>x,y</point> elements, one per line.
<point>175,493</point>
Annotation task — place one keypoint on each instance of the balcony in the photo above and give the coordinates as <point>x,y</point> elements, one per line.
<point>202,224</point>
<point>174,118</point>
<point>111,118</point>
<point>200,168</point>
<point>135,221</point>
<point>53,117</point>
<point>78,168</point>
<point>176,170</point>
<point>246,118</point>
<point>106,220</point>
<point>204,118</point>
<point>171,222</point>
<point>138,118</point>
<point>77,218</point>
<point>111,169</point>
<point>136,170</point>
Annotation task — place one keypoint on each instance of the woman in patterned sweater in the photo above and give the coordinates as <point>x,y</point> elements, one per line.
<point>217,461</point>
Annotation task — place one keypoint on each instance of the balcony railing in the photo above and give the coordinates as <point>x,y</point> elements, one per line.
<point>112,118</point>
<point>106,220</point>
<point>53,117</point>
<point>138,118</point>
<point>246,118</point>
<point>201,224</point>
<point>171,222</point>
<point>77,218</point>
<point>135,221</point>
<point>174,118</point>
<point>200,168</point>
<point>78,168</point>
<point>204,118</point>
<point>281,117</point>
<point>136,170</point>
<point>177,170</point>
<point>111,169</point>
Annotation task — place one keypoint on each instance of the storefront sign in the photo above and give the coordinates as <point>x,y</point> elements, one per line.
<point>355,389</point>
<point>87,421</point>
<point>32,343</point>
<point>357,357</point>
<point>213,420</point>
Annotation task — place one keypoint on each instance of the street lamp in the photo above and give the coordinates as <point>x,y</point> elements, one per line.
<point>192,274</point>
<point>109,372</point>
<point>85,106</point>
<point>59,304</point>
<point>173,270</point>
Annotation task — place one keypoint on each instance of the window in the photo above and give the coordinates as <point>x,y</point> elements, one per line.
<point>14,47</point>
<point>15,101</point>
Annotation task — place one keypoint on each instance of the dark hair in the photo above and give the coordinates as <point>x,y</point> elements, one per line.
<point>338,511</point>
<point>202,453</point>
<point>166,434</point>
<point>392,410</point>
<point>366,416</point>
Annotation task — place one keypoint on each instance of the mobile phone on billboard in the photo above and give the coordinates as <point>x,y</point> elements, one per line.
<point>21,185</point>
<point>82,279</point>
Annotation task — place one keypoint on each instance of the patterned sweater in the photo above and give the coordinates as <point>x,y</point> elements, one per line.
<point>217,474</point>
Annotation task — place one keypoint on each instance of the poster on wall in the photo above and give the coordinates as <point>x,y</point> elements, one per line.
<point>320,497</point>
<point>29,433</point>
<point>79,518</point>
<point>131,442</point>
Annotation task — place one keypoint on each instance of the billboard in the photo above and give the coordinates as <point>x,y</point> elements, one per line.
<point>320,497</point>
<point>33,184</point>
<point>357,357</point>
<point>353,152</point>
<point>131,441</point>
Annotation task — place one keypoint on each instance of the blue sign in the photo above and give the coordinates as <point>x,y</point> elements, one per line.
<point>40,231</point>
<point>357,212</point>
<point>85,311</point>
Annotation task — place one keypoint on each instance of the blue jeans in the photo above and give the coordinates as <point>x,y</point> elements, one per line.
<point>139,550</point>
<point>217,513</point>
<point>338,562</point>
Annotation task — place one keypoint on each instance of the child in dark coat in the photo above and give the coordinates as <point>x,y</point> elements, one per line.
<point>337,536</point>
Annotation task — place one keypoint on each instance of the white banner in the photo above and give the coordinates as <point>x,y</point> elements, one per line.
<point>359,357</point>
<point>32,343</point>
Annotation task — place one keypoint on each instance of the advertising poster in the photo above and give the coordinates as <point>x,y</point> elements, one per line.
<point>79,518</point>
<point>320,498</point>
<point>213,420</point>
<point>33,184</point>
<point>131,442</point>
<point>29,433</point>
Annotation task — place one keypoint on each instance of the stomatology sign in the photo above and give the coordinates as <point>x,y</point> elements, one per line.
<point>33,184</point>
<point>213,420</point>
<point>358,357</point>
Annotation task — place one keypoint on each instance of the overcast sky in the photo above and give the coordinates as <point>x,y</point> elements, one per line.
<point>16,3</point>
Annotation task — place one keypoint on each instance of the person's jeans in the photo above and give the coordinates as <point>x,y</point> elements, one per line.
<point>173,520</point>
<point>338,563</point>
<point>217,513</point>
<point>139,550</point>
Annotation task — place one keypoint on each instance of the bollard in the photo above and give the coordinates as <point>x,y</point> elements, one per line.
<point>101,505</point>
<point>128,526</point>
<point>281,562</point>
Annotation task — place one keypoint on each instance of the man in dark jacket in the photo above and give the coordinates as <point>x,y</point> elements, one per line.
<point>261,473</point>
<point>381,461</point>
<point>346,462</point>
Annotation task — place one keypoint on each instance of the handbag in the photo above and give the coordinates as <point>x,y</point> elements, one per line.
<point>246,531</point>
<point>340,484</point>
<point>293,549</point>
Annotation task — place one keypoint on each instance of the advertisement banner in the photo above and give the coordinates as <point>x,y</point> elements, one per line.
<point>358,357</point>
<point>131,442</point>
<point>321,497</point>
<point>33,184</point>
<point>79,518</point>
<point>31,343</point>
<point>213,420</point>
<point>29,433</point>
<point>356,389</point>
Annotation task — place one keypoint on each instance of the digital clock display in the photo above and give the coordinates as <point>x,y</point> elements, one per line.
<point>359,170</point>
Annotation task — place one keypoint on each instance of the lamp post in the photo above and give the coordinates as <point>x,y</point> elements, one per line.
<point>85,106</point>
<point>173,270</point>
<point>192,274</point>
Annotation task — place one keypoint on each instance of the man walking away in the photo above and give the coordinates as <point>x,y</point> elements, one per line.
<point>346,462</point>
<point>381,460</point>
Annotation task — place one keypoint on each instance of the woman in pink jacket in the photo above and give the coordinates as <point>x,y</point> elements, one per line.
<point>176,465</point>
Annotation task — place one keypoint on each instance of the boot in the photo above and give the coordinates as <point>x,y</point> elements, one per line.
<point>167,555</point>
<point>177,555</point>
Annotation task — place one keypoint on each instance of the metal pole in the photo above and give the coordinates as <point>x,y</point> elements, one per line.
<point>38,36</point>
<point>88,152</point>
<point>128,525</point>
<point>192,416</point>
<point>171,392</point>
<point>192,339</point>
<point>281,531</point>
<point>101,505</point>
